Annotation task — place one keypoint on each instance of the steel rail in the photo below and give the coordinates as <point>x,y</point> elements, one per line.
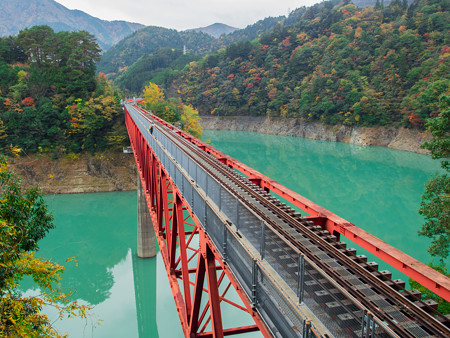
<point>437,327</point>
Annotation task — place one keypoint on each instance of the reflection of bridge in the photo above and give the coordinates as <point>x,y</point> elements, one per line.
<point>220,228</point>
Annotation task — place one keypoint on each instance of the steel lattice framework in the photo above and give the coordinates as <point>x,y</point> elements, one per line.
<point>200,279</point>
<point>182,241</point>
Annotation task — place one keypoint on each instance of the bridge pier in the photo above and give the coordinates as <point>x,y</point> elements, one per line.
<point>146,246</point>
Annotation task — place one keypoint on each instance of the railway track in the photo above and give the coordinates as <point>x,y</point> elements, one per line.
<point>387,301</point>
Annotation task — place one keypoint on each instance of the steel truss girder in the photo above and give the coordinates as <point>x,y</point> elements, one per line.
<point>170,214</point>
<point>425,275</point>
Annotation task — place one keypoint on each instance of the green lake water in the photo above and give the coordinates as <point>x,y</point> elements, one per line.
<point>377,189</point>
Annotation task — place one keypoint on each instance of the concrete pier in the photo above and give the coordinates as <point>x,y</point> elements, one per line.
<point>146,233</point>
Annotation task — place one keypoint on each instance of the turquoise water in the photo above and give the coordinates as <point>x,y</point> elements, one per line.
<point>377,189</point>
<point>131,296</point>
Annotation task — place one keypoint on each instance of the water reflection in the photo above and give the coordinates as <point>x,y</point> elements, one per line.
<point>144,273</point>
<point>100,230</point>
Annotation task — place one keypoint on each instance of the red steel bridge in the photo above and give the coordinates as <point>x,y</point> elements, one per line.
<point>230,246</point>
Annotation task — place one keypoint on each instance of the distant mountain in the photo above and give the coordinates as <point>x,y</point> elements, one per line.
<point>216,29</point>
<point>251,32</point>
<point>16,15</point>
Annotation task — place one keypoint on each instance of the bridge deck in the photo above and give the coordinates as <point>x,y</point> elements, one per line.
<point>296,274</point>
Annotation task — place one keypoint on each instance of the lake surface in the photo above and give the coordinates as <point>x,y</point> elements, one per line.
<point>377,189</point>
<point>132,296</point>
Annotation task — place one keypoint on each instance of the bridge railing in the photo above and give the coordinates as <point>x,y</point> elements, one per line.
<point>287,289</point>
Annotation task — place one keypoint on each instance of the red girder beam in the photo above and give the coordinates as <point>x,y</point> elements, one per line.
<point>428,277</point>
<point>213,289</point>
<point>228,332</point>
<point>169,219</point>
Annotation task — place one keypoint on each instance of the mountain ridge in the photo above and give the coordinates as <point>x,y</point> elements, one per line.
<point>215,30</point>
<point>16,15</point>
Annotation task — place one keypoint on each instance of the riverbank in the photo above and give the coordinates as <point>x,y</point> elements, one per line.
<point>390,137</point>
<point>84,173</point>
<point>115,171</point>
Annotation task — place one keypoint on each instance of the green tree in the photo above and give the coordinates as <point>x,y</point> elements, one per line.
<point>24,220</point>
<point>435,204</point>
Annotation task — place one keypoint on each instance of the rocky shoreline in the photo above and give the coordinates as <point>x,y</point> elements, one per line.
<point>85,173</point>
<point>395,138</point>
<point>115,171</point>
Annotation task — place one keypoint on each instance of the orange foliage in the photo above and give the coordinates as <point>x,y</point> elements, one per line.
<point>28,101</point>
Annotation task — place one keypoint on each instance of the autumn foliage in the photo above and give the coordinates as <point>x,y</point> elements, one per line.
<point>50,98</point>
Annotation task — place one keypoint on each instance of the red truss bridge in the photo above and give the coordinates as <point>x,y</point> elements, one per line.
<point>230,246</point>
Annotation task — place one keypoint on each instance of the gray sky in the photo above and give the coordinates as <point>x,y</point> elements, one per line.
<point>184,14</point>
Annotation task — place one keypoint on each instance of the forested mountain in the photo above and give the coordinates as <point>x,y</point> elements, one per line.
<point>147,41</point>
<point>215,30</point>
<point>159,67</point>
<point>16,15</point>
<point>337,64</point>
<point>50,96</point>
<point>138,48</point>
<point>250,32</point>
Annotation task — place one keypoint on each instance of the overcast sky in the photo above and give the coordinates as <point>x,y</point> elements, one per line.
<point>185,14</point>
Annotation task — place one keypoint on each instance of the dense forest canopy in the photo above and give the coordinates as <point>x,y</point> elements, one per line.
<point>147,41</point>
<point>336,63</point>
<point>50,96</point>
<point>160,67</point>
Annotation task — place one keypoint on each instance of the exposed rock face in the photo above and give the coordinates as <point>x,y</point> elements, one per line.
<point>395,138</point>
<point>98,173</point>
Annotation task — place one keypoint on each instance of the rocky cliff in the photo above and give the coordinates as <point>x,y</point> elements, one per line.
<point>395,138</point>
<point>86,173</point>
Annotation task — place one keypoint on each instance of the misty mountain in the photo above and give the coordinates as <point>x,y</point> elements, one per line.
<point>16,15</point>
<point>216,29</point>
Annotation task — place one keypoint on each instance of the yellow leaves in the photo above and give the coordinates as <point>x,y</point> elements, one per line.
<point>15,150</point>
<point>191,121</point>
<point>284,111</point>
<point>152,93</point>
<point>21,75</point>
<point>22,317</point>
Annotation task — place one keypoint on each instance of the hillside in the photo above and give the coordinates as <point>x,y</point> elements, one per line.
<point>16,15</point>
<point>147,41</point>
<point>119,62</point>
<point>51,99</point>
<point>336,64</point>
<point>158,68</point>
<point>215,30</point>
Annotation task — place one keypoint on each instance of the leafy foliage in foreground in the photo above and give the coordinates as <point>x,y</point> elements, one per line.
<point>336,64</point>
<point>24,220</point>
<point>50,97</point>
